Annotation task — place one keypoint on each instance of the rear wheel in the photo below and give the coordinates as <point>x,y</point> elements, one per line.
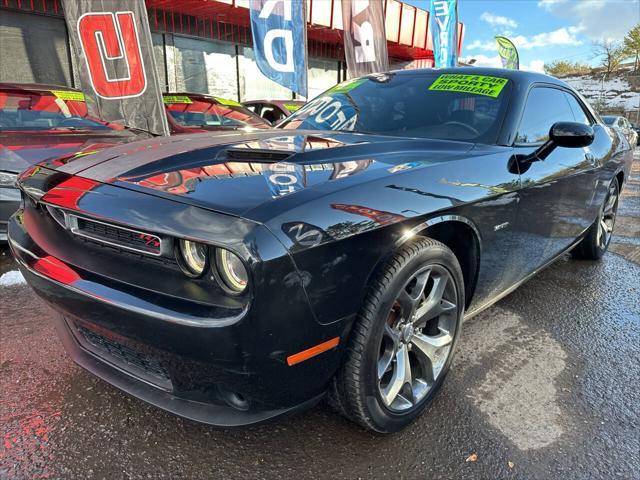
<point>403,340</point>
<point>595,243</point>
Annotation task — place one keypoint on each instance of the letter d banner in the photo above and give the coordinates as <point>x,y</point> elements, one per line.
<point>112,42</point>
<point>279,30</point>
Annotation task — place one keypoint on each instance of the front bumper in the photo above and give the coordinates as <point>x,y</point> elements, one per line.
<point>228,371</point>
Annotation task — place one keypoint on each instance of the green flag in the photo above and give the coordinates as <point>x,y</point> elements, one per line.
<point>508,53</point>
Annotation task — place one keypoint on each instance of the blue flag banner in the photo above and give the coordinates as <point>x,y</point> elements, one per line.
<point>444,30</point>
<point>279,31</point>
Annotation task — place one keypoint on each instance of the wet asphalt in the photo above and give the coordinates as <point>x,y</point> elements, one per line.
<point>546,384</point>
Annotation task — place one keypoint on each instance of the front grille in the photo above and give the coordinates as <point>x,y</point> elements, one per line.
<point>117,236</point>
<point>140,364</point>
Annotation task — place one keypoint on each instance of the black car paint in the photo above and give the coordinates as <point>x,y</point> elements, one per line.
<point>310,253</point>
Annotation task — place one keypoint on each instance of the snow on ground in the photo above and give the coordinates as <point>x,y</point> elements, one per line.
<point>11,278</point>
<point>616,91</point>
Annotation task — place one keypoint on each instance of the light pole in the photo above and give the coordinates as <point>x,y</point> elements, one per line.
<point>602,92</point>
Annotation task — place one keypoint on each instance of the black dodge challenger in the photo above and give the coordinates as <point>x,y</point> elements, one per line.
<point>232,278</point>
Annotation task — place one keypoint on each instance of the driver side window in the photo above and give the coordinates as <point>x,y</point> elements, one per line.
<point>544,107</point>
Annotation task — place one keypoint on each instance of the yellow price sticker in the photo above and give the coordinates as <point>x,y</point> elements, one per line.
<point>68,95</point>
<point>292,107</point>
<point>347,86</point>
<point>171,99</point>
<point>229,103</point>
<point>476,84</point>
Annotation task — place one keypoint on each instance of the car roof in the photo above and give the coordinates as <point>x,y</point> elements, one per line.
<point>277,102</point>
<point>35,87</point>
<point>208,96</point>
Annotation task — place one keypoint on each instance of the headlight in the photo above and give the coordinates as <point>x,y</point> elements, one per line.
<point>192,257</point>
<point>8,179</point>
<point>231,270</point>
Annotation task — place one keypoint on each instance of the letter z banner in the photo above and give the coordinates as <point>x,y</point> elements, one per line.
<point>112,43</point>
<point>279,30</point>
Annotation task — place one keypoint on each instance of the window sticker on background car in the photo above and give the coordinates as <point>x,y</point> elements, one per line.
<point>347,86</point>
<point>228,103</point>
<point>67,95</point>
<point>171,99</point>
<point>292,107</point>
<point>477,84</point>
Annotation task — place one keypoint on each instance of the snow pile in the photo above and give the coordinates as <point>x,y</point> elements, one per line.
<point>616,92</point>
<point>11,278</point>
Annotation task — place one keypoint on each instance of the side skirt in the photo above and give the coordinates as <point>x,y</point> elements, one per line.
<point>506,292</point>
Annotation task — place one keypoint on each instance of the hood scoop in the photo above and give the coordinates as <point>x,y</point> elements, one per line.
<point>257,155</point>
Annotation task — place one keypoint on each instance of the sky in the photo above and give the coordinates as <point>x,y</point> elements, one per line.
<point>542,30</point>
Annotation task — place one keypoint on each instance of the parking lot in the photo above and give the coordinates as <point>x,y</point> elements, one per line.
<point>546,384</point>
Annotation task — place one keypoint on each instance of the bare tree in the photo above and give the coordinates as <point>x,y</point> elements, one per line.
<point>612,54</point>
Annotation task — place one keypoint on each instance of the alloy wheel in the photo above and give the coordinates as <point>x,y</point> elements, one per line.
<point>418,338</point>
<point>607,217</point>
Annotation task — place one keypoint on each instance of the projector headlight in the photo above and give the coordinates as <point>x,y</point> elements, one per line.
<point>231,270</point>
<point>8,179</point>
<point>193,257</point>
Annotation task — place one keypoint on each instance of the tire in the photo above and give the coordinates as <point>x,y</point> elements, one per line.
<point>422,280</point>
<point>595,243</point>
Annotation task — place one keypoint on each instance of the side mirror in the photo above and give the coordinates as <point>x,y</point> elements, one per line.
<point>561,134</point>
<point>571,135</point>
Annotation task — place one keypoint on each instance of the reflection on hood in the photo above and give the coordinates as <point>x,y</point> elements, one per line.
<point>10,161</point>
<point>281,178</point>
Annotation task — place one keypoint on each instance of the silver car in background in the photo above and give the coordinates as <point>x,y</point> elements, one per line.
<point>621,123</point>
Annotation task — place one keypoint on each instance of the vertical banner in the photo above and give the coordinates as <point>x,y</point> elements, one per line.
<point>112,42</point>
<point>365,42</point>
<point>444,30</point>
<point>279,30</point>
<point>508,53</point>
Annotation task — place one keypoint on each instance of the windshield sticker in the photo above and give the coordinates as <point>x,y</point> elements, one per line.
<point>345,87</point>
<point>170,99</point>
<point>476,84</point>
<point>66,95</point>
<point>292,107</point>
<point>228,103</point>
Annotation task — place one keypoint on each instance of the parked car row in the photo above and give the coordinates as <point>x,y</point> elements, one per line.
<point>39,121</point>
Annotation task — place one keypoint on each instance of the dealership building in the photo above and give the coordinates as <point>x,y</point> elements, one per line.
<point>205,45</point>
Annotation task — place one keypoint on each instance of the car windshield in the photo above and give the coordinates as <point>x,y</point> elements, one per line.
<point>193,111</point>
<point>434,105</point>
<point>609,120</point>
<point>46,110</point>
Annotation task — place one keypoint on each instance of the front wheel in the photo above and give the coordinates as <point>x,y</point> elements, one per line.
<point>403,340</point>
<point>594,245</point>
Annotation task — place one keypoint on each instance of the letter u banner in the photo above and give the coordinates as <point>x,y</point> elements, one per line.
<point>279,30</point>
<point>112,44</point>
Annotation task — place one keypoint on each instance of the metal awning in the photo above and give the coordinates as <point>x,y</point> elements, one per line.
<point>407,27</point>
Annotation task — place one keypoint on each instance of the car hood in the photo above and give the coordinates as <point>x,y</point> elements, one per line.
<point>20,150</point>
<point>236,173</point>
